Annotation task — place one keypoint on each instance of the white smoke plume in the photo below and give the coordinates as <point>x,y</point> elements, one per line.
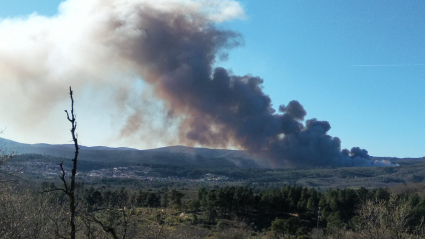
<point>84,46</point>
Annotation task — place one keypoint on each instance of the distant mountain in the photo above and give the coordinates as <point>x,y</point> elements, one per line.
<point>173,155</point>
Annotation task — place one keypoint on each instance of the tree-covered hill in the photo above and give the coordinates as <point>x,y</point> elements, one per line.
<point>174,155</point>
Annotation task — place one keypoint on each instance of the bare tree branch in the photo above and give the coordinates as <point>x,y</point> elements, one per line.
<point>105,228</point>
<point>62,177</point>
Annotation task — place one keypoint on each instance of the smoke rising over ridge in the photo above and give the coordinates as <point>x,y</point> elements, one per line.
<point>173,46</point>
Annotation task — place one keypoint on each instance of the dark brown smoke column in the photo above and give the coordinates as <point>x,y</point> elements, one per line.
<point>176,53</point>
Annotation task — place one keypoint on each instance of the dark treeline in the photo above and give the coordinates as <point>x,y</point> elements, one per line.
<point>285,212</point>
<point>298,205</point>
<point>295,205</point>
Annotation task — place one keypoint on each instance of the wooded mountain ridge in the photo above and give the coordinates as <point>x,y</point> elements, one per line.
<point>173,155</point>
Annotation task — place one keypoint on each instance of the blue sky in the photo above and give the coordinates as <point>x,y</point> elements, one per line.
<point>358,64</point>
<point>309,51</point>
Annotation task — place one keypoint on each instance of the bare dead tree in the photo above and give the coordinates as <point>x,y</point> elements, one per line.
<point>69,189</point>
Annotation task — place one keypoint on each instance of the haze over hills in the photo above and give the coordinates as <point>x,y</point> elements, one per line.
<point>173,155</point>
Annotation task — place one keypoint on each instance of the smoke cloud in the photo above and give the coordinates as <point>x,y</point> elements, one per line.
<point>173,46</point>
